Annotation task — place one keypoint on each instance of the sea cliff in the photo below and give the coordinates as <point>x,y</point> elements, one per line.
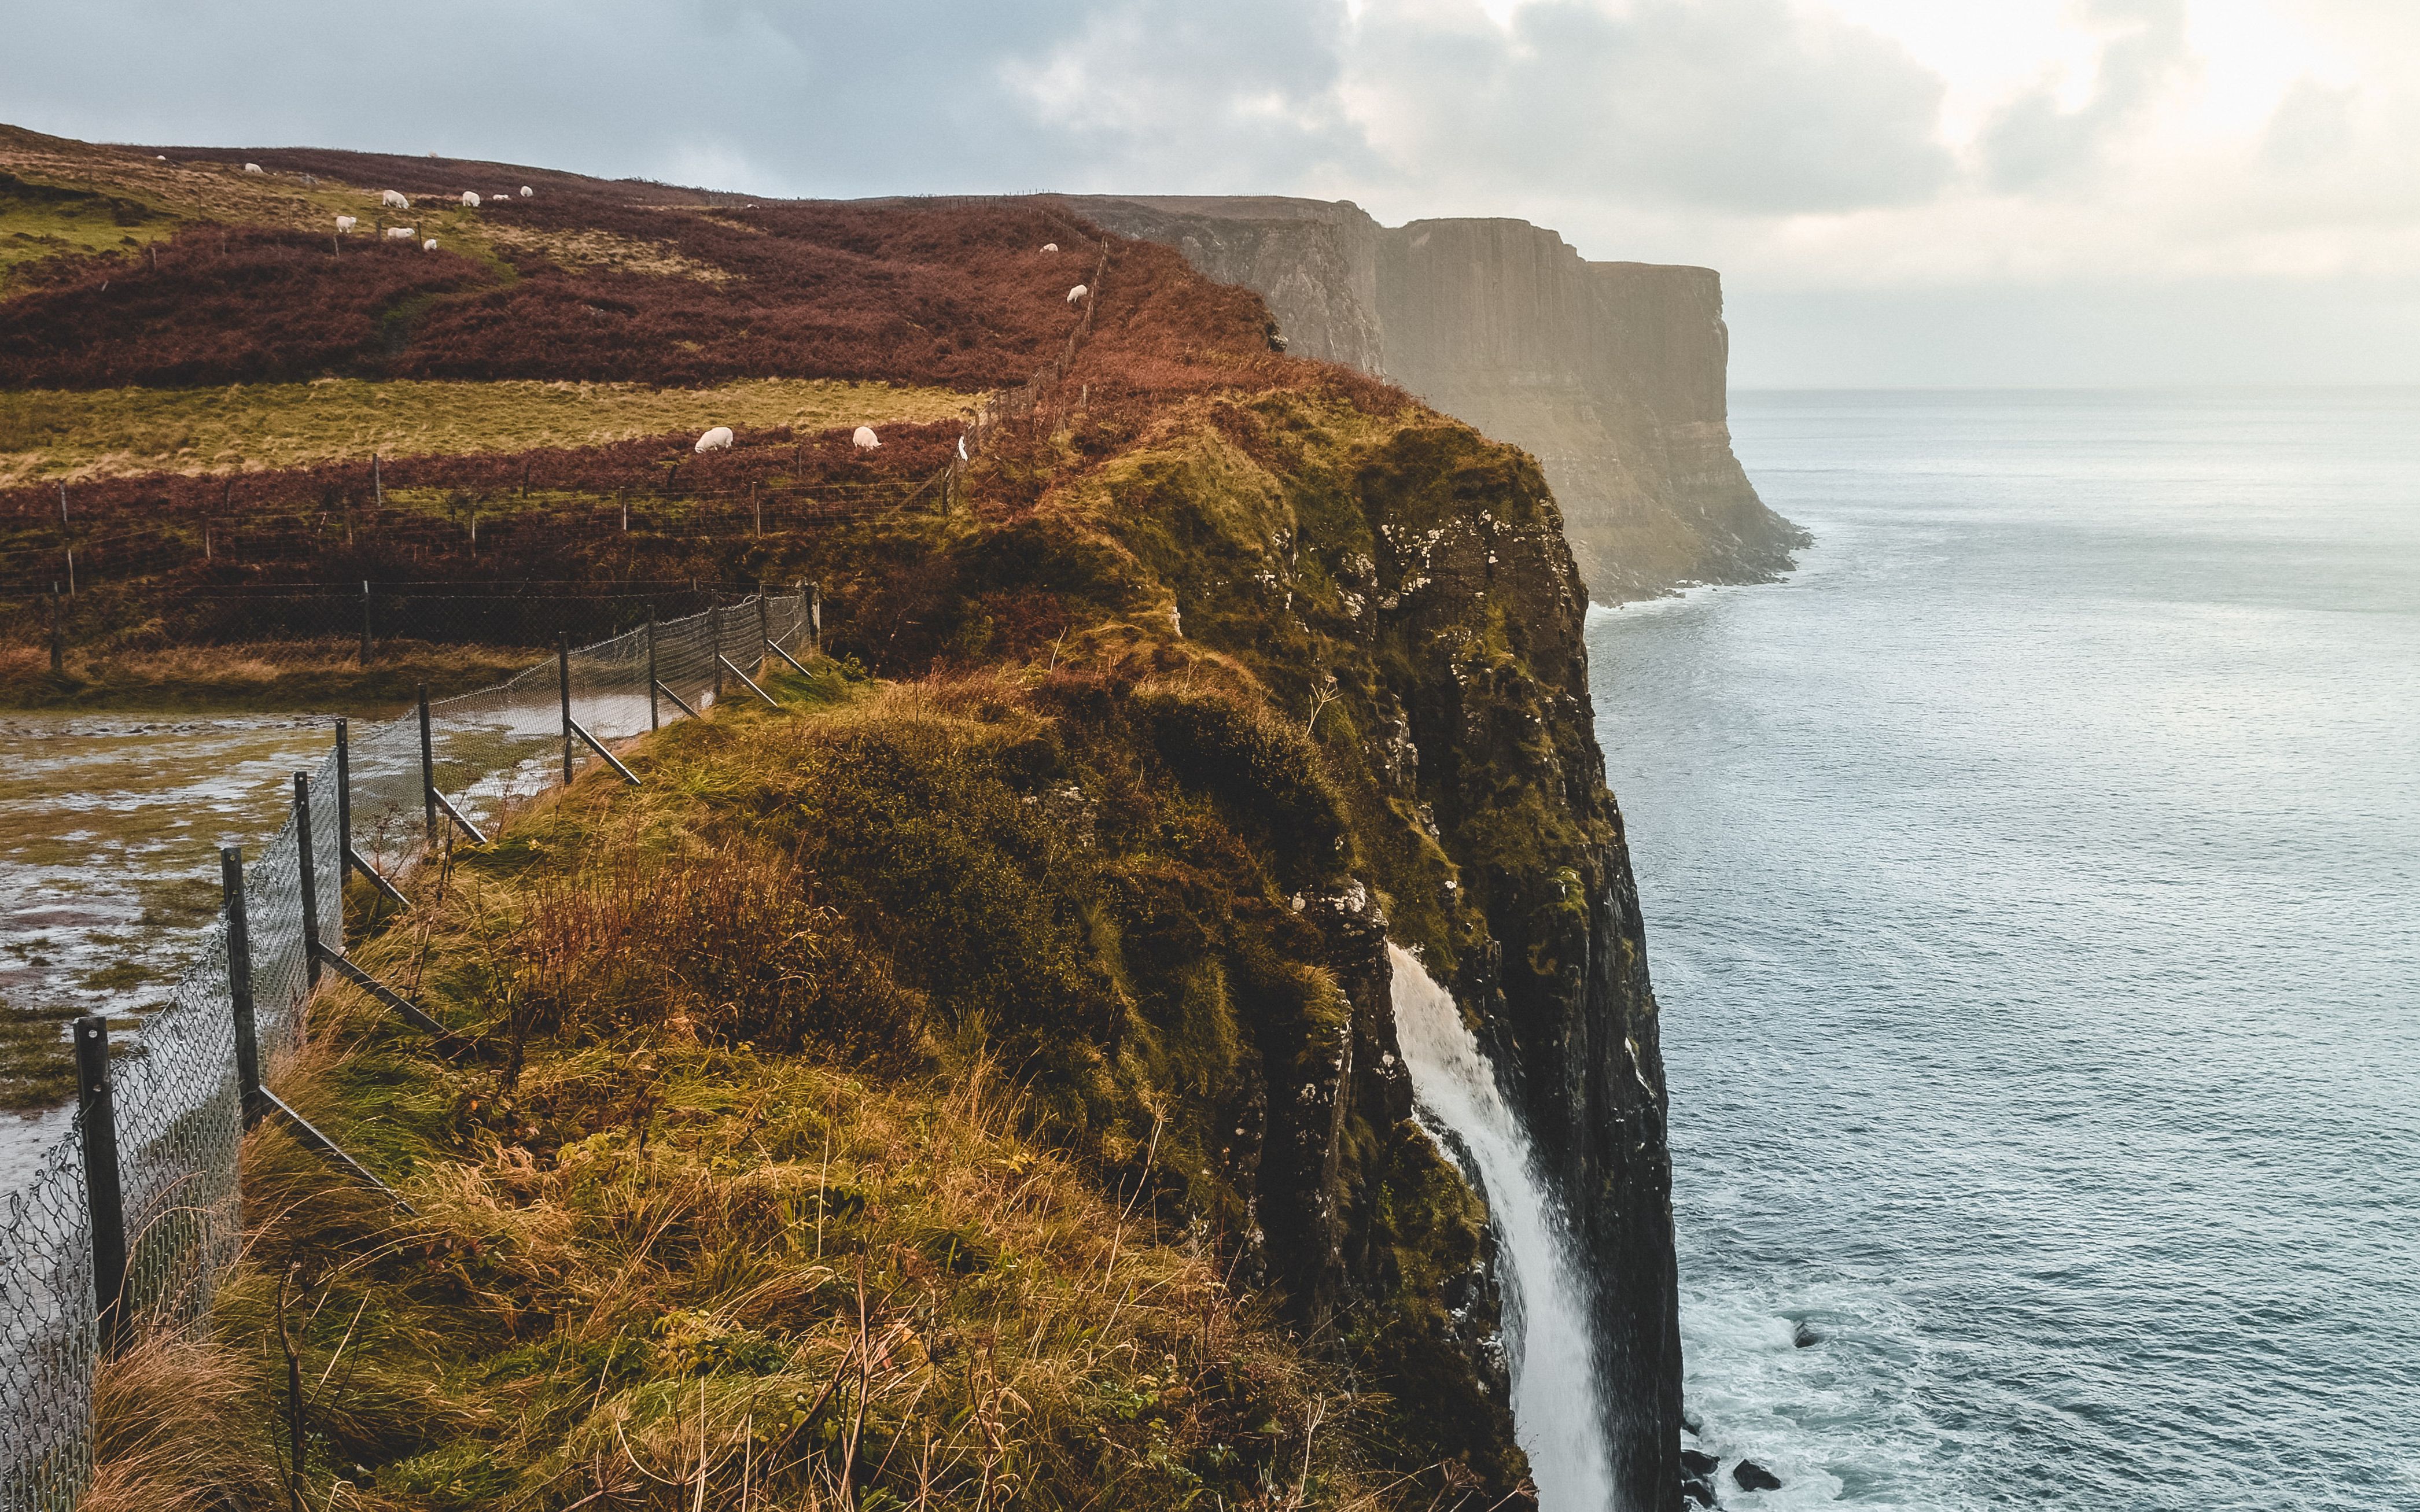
<point>1612,375</point>
<point>992,1034</point>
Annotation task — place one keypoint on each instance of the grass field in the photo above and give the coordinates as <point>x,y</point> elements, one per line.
<point>253,428</point>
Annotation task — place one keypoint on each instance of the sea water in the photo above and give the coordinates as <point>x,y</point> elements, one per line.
<point>2033,894</point>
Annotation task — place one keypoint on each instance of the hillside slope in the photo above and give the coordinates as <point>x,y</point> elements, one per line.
<point>1210,671</point>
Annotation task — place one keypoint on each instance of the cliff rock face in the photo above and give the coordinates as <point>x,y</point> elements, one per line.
<point>1418,575</point>
<point>1612,375</point>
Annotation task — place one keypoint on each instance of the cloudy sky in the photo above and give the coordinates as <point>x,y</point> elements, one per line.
<point>1898,191</point>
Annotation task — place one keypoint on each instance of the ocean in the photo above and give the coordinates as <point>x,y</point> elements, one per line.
<point>2032,887</point>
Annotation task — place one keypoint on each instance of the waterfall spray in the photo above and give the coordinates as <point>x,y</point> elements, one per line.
<point>1556,1413</point>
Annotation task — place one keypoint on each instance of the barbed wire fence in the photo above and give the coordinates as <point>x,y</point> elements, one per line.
<point>134,1213</point>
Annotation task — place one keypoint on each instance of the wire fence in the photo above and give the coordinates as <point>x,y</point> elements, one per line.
<point>175,1106</point>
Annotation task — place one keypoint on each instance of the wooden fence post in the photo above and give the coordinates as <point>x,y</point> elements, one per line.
<point>563,680</point>
<point>428,769</point>
<point>104,1200</point>
<point>238,949</point>
<point>308,875</point>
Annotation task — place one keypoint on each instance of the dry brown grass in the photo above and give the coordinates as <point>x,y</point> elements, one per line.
<point>656,1262</point>
<point>85,434</point>
<point>262,676</point>
<point>607,251</point>
<point>179,1427</point>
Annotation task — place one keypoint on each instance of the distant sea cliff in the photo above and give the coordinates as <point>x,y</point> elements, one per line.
<point>1611,374</point>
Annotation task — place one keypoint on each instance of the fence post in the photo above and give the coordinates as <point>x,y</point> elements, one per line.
<point>654,720</point>
<point>428,769</point>
<point>816,618</point>
<point>66,542</point>
<point>238,949</point>
<point>344,802</point>
<point>563,680</point>
<point>58,631</point>
<point>365,621</point>
<point>763,627</point>
<point>104,1200</point>
<point>714,642</point>
<point>307,875</point>
<point>377,482</point>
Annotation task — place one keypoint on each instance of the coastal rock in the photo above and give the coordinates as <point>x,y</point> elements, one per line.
<point>1697,1491</point>
<point>1698,1464</point>
<point>1751,1476</point>
<point>1803,1335</point>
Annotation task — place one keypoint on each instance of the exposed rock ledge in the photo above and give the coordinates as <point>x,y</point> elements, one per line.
<point>1610,374</point>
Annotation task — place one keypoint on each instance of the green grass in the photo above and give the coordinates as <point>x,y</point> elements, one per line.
<point>42,220</point>
<point>109,432</point>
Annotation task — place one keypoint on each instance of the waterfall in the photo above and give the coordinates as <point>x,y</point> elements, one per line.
<point>1557,1408</point>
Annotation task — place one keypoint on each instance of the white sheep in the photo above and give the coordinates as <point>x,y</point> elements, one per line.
<point>865,440</point>
<point>252,167</point>
<point>470,199</point>
<point>393,200</point>
<point>1051,246</point>
<point>717,440</point>
<point>526,192</point>
<point>430,245</point>
<point>346,223</point>
<point>400,233</point>
<point>1078,294</point>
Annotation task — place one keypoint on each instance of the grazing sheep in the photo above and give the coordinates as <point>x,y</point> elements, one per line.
<point>526,192</point>
<point>400,233</point>
<point>1051,246</point>
<point>252,167</point>
<point>394,199</point>
<point>865,440</point>
<point>470,199</point>
<point>346,223</point>
<point>717,440</point>
<point>430,245</point>
<point>1078,294</point>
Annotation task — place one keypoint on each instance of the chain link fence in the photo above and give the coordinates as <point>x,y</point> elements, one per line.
<point>177,1108</point>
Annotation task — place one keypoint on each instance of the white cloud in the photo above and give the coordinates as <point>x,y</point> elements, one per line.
<point>1811,147</point>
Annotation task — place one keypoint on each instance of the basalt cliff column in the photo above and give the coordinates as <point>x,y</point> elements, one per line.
<point>1612,375</point>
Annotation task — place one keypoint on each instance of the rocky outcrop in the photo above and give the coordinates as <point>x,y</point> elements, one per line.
<point>1418,573</point>
<point>1612,375</point>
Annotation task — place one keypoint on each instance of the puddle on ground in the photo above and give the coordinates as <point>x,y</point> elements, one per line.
<point>109,832</point>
